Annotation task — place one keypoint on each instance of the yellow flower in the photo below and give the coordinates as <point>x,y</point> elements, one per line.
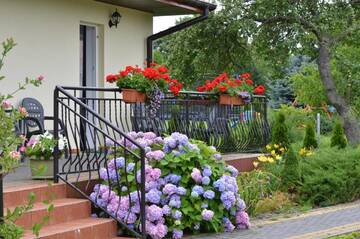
<point>268,147</point>
<point>271,160</point>
<point>262,158</point>
<point>276,146</point>
<point>302,151</point>
<point>282,150</point>
<point>256,164</point>
<point>273,153</point>
<point>278,157</point>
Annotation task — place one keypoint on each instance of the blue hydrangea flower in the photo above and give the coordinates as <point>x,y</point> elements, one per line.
<point>198,189</point>
<point>205,180</point>
<point>209,194</point>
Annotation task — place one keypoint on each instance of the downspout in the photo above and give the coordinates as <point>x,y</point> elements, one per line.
<point>181,26</point>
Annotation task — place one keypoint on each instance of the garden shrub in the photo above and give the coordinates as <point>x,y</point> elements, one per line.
<point>278,202</point>
<point>326,124</point>
<point>254,186</point>
<point>188,188</point>
<point>310,141</point>
<point>290,176</point>
<point>338,138</point>
<point>295,118</point>
<point>279,131</point>
<point>330,176</point>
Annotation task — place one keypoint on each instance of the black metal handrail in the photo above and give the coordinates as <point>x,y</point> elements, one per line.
<point>87,133</point>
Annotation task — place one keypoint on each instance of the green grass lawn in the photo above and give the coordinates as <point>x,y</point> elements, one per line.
<point>354,235</point>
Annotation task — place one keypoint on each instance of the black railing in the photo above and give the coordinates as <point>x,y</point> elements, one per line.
<point>95,117</point>
<point>90,132</point>
<point>230,128</point>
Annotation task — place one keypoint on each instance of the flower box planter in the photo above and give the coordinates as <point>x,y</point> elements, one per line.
<point>133,96</point>
<point>226,99</point>
<point>41,168</point>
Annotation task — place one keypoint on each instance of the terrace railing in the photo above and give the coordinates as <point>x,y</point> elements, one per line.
<point>96,117</point>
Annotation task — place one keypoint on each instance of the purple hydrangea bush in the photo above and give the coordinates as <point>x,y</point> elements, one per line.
<point>188,187</point>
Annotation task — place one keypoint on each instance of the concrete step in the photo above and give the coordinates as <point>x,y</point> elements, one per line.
<point>242,162</point>
<point>65,210</point>
<point>89,228</point>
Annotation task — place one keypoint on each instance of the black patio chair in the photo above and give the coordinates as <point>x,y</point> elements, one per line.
<point>34,123</point>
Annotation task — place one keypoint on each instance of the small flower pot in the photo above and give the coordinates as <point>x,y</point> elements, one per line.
<point>226,99</point>
<point>42,169</point>
<point>133,96</point>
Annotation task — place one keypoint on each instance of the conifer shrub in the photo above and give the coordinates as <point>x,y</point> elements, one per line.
<point>291,176</point>
<point>279,131</point>
<point>338,138</point>
<point>310,141</point>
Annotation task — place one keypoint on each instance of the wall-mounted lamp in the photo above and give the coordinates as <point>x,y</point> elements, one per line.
<point>114,19</point>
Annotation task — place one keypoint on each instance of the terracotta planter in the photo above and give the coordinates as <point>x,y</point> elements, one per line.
<point>226,99</point>
<point>42,169</point>
<point>133,96</point>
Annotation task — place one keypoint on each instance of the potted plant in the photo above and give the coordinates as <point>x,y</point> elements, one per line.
<point>136,83</point>
<point>232,91</point>
<point>39,150</point>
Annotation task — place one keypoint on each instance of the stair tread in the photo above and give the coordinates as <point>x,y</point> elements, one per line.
<point>56,202</point>
<point>75,225</point>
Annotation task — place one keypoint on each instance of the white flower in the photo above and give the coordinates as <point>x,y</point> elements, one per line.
<point>62,143</point>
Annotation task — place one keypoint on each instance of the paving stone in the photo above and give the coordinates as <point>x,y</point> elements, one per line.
<point>295,226</point>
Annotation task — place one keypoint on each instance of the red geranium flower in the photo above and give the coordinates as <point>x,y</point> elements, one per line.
<point>259,90</point>
<point>249,82</point>
<point>201,88</point>
<point>238,82</point>
<point>111,78</point>
<point>222,88</point>
<point>163,69</point>
<point>150,73</point>
<point>245,75</point>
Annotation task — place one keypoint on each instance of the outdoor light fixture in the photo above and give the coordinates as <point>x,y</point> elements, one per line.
<point>114,19</point>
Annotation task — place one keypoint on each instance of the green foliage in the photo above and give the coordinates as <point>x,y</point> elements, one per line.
<point>255,186</point>
<point>281,93</point>
<point>330,176</point>
<point>207,49</point>
<point>290,176</point>
<point>338,138</point>
<point>8,228</point>
<point>353,235</point>
<point>9,142</point>
<point>184,164</point>
<point>278,202</point>
<point>327,124</point>
<point>279,131</point>
<point>310,141</point>
<point>307,86</point>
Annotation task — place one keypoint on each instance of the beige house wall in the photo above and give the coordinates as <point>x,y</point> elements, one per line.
<point>47,33</point>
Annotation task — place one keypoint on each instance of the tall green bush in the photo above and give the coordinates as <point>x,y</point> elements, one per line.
<point>291,176</point>
<point>280,131</point>
<point>338,138</point>
<point>330,176</point>
<point>310,141</point>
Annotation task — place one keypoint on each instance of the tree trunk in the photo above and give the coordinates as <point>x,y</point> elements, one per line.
<point>350,124</point>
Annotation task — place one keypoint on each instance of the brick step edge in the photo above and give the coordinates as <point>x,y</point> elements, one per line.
<point>89,228</point>
<point>65,210</point>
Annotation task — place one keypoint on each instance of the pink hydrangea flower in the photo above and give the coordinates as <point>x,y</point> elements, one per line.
<point>242,220</point>
<point>196,175</point>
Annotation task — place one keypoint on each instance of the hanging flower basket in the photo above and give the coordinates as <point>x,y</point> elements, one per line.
<point>133,96</point>
<point>226,99</point>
